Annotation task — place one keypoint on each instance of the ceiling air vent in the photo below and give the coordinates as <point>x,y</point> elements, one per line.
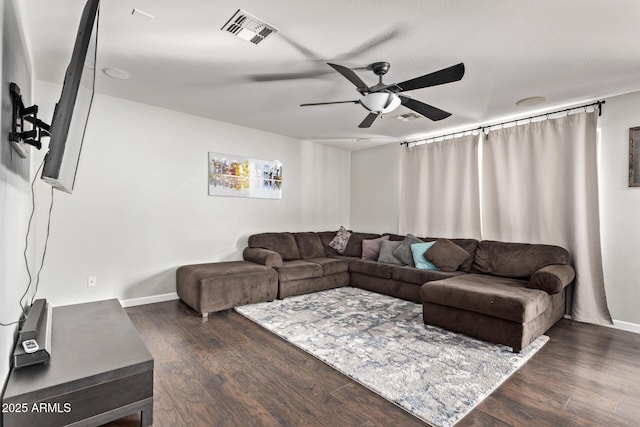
<point>248,27</point>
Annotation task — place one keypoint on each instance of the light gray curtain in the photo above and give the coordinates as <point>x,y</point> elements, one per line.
<point>540,185</point>
<point>440,192</point>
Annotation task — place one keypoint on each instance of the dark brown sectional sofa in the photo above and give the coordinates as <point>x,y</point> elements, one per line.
<point>508,293</point>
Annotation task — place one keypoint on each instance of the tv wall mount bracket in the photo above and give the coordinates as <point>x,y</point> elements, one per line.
<point>26,128</point>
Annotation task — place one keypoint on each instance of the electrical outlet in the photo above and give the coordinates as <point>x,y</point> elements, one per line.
<point>92,281</point>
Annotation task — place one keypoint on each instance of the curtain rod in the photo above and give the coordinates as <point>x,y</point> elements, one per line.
<point>483,128</point>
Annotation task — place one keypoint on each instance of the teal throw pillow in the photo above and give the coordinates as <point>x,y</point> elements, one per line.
<point>418,250</point>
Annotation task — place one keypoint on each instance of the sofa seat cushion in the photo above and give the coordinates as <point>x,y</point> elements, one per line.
<point>331,265</point>
<point>413,275</point>
<point>298,269</point>
<point>500,297</point>
<point>371,268</point>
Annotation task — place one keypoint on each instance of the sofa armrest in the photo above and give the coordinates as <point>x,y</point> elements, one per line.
<point>262,256</point>
<point>552,278</point>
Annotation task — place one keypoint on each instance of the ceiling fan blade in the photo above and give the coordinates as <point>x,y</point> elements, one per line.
<point>305,51</point>
<point>368,121</point>
<point>426,110</point>
<point>315,58</point>
<point>286,76</point>
<point>446,75</point>
<point>350,75</point>
<point>332,102</point>
<point>372,43</point>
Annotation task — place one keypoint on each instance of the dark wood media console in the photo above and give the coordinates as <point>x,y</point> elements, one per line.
<point>99,371</point>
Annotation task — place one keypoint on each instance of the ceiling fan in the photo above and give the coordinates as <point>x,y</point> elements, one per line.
<point>383,98</point>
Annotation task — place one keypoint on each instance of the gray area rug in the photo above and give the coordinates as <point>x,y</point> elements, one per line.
<point>382,343</point>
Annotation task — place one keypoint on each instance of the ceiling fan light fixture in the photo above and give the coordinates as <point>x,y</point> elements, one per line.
<point>380,102</point>
<point>531,101</point>
<point>116,73</point>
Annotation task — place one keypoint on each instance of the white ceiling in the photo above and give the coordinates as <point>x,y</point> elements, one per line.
<point>567,51</point>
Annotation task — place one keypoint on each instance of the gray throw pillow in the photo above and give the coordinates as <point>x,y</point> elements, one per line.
<point>446,255</point>
<point>403,251</point>
<point>386,252</point>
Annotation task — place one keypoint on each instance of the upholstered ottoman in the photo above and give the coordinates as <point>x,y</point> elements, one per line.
<point>221,285</point>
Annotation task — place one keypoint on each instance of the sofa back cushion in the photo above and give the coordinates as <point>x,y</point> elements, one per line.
<point>309,245</point>
<point>326,237</point>
<point>354,246</point>
<point>283,243</point>
<point>395,237</point>
<point>516,260</point>
<point>469,245</point>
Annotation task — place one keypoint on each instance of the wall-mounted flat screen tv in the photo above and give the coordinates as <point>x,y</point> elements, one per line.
<point>71,113</point>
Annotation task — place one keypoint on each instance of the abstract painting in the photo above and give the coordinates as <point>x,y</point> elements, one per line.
<point>238,176</point>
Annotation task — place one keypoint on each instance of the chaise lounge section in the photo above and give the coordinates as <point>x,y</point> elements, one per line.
<point>515,293</point>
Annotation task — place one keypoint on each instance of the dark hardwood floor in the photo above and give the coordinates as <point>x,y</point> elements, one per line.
<point>228,371</point>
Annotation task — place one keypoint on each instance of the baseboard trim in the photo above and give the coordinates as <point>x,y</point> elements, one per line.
<point>149,300</point>
<point>618,324</point>
<point>626,326</point>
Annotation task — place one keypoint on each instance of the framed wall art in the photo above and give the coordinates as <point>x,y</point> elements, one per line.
<point>634,157</point>
<point>238,176</point>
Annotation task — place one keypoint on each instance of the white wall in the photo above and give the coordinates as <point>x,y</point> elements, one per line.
<point>376,179</point>
<point>140,206</point>
<point>14,185</point>
<point>375,189</point>
<point>620,209</point>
